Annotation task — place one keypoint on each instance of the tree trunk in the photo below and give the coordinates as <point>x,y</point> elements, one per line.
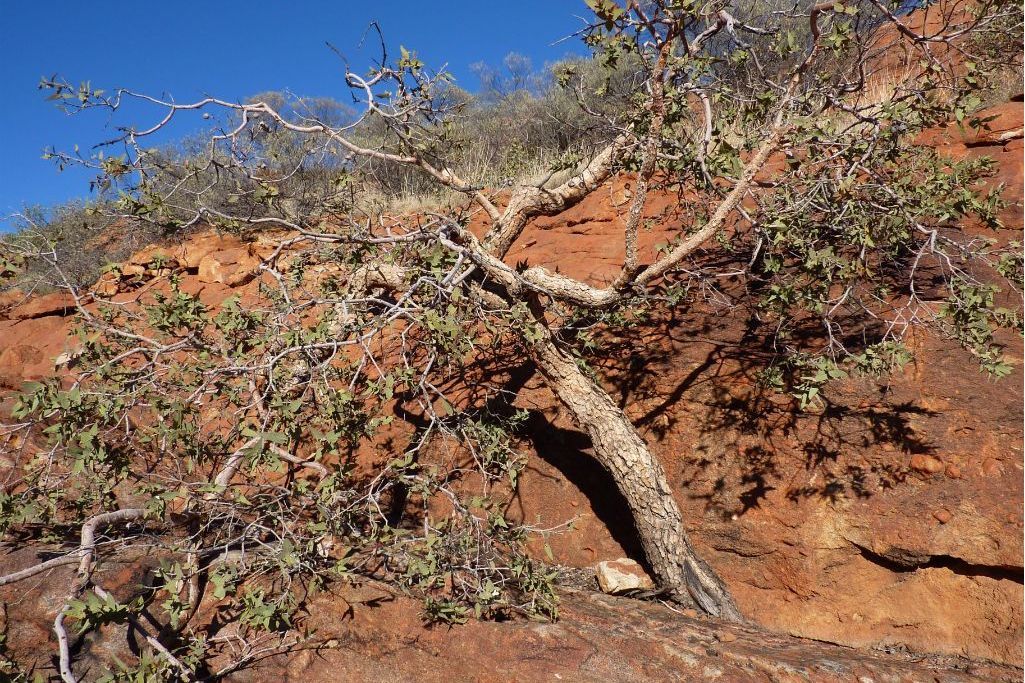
<point>639,477</point>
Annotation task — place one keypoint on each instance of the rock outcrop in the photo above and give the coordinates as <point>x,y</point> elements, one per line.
<point>890,520</point>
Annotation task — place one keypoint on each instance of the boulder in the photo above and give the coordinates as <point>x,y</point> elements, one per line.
<point>926,464</point>
<point>57,303</point>
<point>232,267</point>
<point>106,286</point>
<point>622,576</point>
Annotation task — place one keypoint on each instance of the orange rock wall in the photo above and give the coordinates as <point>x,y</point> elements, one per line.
<point>891,519</point>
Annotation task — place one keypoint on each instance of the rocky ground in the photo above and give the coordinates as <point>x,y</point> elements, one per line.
<point>889,521</point>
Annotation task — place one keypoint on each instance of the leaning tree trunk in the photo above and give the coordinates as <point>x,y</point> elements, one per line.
<point>639,477</point>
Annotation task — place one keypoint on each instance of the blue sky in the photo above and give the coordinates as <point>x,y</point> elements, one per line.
<point>230,49</point>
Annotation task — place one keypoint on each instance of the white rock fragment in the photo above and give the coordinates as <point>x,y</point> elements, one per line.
<point>621,576</point>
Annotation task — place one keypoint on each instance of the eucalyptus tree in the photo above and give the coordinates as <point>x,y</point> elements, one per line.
<point>226,435</point>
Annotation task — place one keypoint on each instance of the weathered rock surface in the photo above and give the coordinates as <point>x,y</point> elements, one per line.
<point>56,303</point>
<point>598,638</point>
<point>231,267</point>
<point>368,633</point>
<point>622,576</point>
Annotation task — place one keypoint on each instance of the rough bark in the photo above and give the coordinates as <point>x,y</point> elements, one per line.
<point>640,479</point>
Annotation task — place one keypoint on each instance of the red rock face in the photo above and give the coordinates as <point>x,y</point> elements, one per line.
<point>819,524</point>
<point>895,516</point>
<point>890,519</point>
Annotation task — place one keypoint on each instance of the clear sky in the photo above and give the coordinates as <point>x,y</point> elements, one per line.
<point>231,49</point>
